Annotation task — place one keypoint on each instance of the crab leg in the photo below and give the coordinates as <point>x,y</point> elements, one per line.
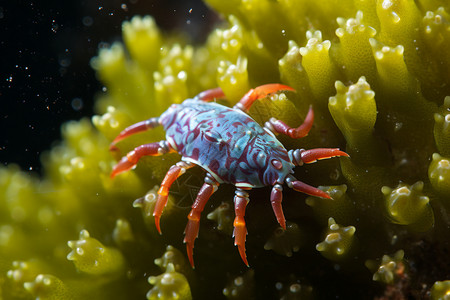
<point>163,193</point>
<point>302,187</point>
<point>295,133</point>
<point>133,129</point>
<point>131,159</point>
<point>210,95</point>
<point>192,227</point>
<point>240,231</point>
<point>275,198</point>
<point>260,92</point>
<point>312,155</point>
<point>300,156</point>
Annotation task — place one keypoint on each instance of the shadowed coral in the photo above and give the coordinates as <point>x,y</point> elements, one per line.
<point>339,206</point>
<point>284,242</point>
<point>223,215</point>
<point>294,289</point>
<point>122,232</point>
<point>390,269</point>
<point>241,287</point>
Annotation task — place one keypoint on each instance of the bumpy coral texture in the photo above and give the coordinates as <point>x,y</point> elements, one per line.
<point>378,76</point>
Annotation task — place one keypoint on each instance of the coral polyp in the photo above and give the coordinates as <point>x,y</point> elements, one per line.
<point>377,76</point>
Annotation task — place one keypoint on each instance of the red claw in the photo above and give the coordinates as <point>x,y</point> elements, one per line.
<point>310,156</point>
<point>260,92</point>
<point>122,166</point>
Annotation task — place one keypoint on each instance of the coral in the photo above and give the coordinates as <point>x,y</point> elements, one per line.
<point>440,290</point>
<point>47,287</point>
<point>241,287</point>
<point>294,289</point>
<point>284,242</point>
<point>377,76</point>
<point>406,205</point>
<point>390,268</point>
<point>439,174</point>
<point>90,256</point>
<point>223,215</point>
<point>338,242</point>
<point>169,285</point>
<point>340,206</point>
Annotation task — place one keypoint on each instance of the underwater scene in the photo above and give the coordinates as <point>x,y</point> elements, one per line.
<point>377,77</point>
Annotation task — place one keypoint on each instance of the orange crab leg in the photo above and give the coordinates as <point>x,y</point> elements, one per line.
<point>131,159</point>
<point>302,187</point>
<point>275,198</point>
<point>133,129</point>
<point>163,193</point>
<point>240,230</point>
<point>193,225</point>
<point>295,133</point>
<point>210,95</point>
<point>260,92</point>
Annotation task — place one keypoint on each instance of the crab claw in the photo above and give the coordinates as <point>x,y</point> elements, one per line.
<point>312,155</point>
<point>261,92</point>
<point>122,166</point>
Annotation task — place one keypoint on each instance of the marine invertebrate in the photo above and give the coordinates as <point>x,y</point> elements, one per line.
<point>390,268</point>
<point>232,148</point>
<point>285,241</point>
<point>241,287</point>
<point>440,290</point>
<point>169,285</point>
<point>90,256</point>
<point>339,241</point>
<point>407,205</point>
<point>377,78</point>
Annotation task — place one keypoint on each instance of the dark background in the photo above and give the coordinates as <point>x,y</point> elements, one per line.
<point>45,49</point>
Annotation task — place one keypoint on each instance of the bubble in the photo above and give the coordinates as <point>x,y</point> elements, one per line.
<point>87,21</point>
<point>77,104</point>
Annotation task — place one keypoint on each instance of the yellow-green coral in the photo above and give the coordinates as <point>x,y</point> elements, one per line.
<point>441,290</point>
<point>407,205</point>
<point>169,285</point>
<point>90,256</point>
<point>338,242</point>
<point>439,174</point>
<point>376,74</point>
<point>390,269</point>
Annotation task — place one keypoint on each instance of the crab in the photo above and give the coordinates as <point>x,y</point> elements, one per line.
<point>232,148</point>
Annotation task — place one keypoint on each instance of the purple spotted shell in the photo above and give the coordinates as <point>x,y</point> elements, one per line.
<point>227,143</point>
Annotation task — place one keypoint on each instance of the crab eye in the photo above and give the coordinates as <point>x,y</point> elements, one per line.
<point>213,136</point>
<point>277,164</point>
